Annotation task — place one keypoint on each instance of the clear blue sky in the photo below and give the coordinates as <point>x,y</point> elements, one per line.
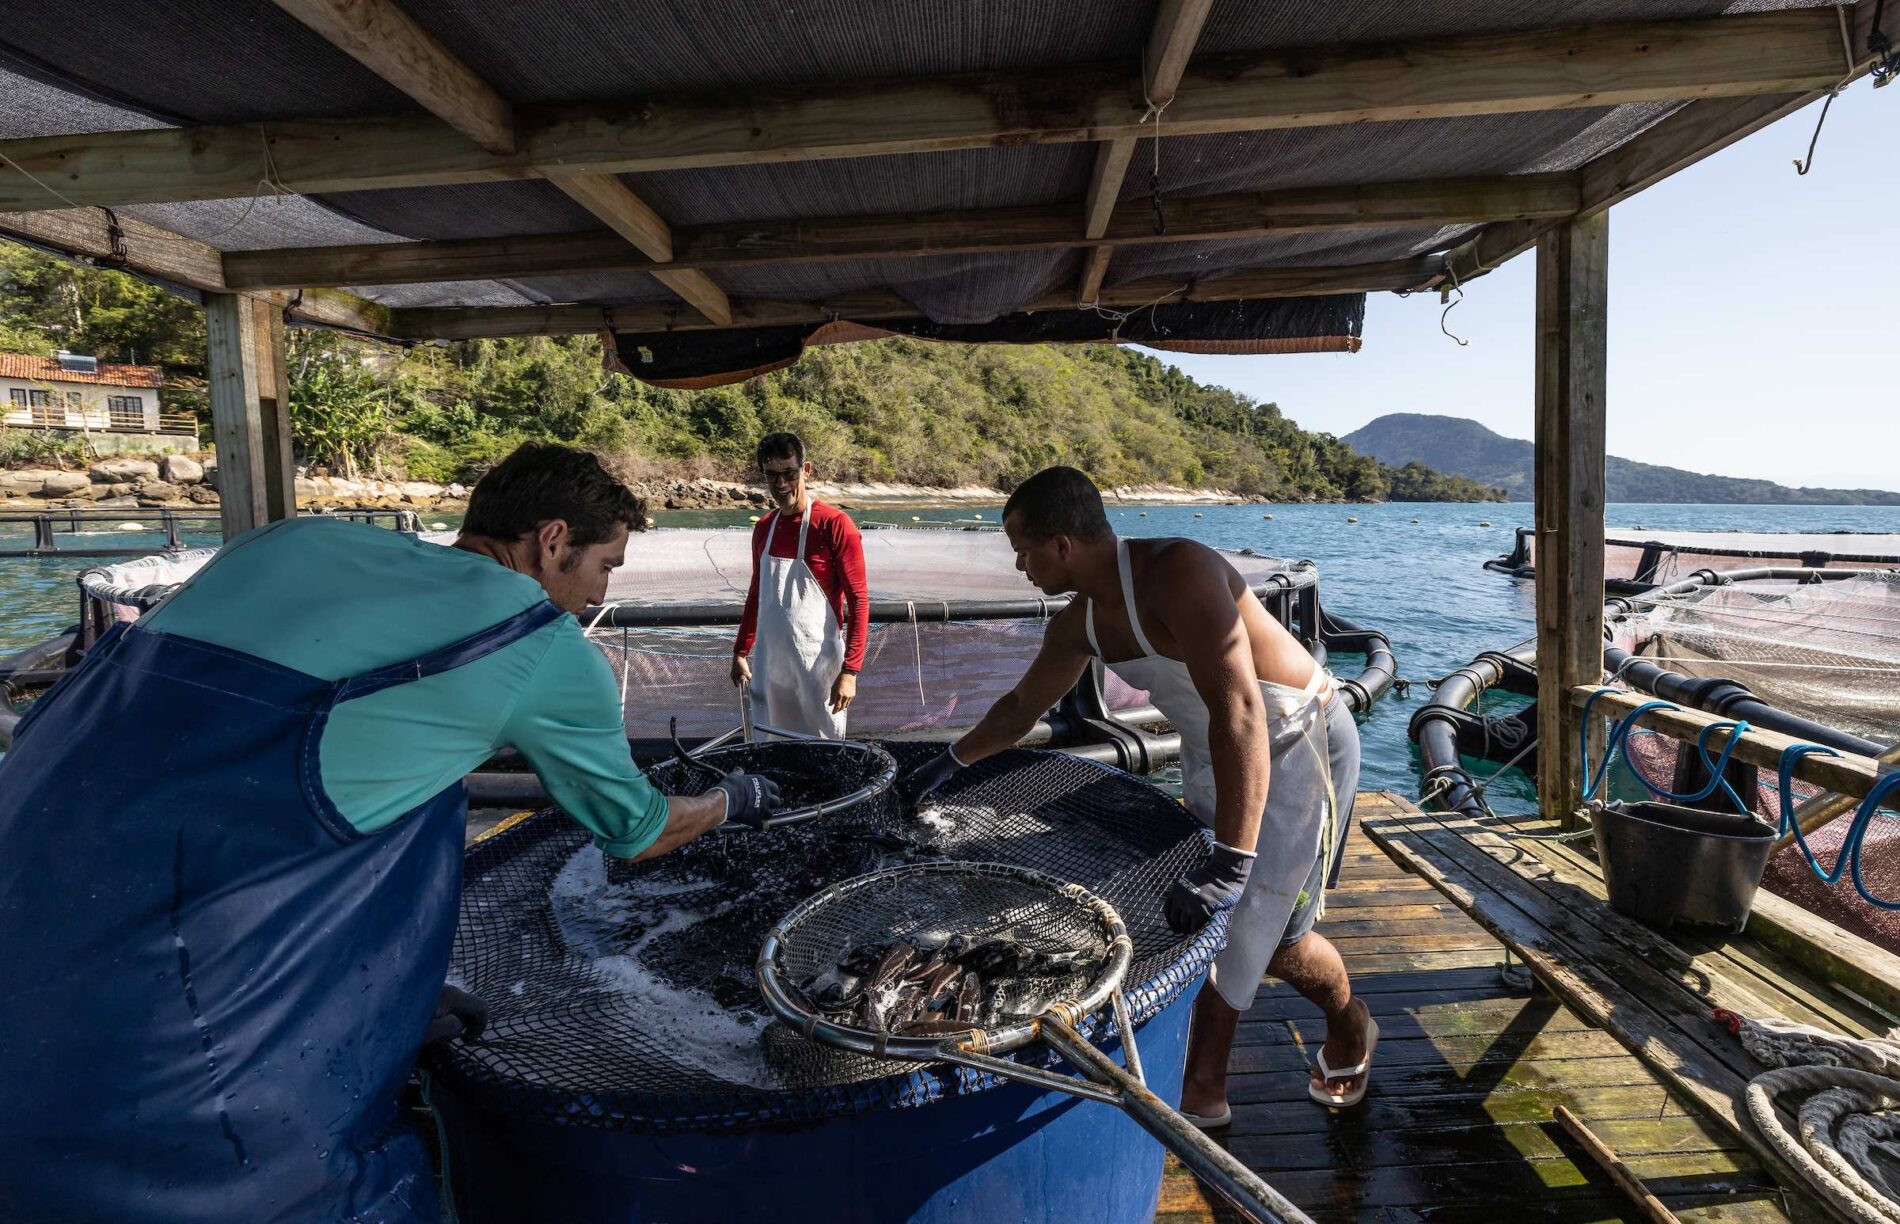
<point>1754,320</point>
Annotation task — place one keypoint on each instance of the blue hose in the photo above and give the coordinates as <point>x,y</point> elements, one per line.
<point>1847,861</point>
<point>1620,733</point>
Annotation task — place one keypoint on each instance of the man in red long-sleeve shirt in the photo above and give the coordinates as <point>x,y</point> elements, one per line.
<point>801,639</point>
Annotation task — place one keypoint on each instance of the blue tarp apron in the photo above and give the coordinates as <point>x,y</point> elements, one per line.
<point>212,986</point>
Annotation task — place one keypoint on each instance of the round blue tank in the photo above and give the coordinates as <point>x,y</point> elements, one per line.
<point>567,1108</point>
<point>1005,1152</point>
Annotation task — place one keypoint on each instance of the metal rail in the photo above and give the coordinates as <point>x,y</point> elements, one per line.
<point>48,525</point>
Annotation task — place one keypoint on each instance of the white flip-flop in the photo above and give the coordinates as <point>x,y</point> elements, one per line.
<point>1364,1070</point>
<point>1210,1121</point>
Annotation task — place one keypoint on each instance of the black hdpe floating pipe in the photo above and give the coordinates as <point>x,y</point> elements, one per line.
<point>1436,728</point>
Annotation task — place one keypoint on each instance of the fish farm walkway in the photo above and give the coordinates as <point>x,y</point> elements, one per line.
<point>1458,1124</point>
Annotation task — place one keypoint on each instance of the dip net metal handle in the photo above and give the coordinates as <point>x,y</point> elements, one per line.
<point>1050,923</point>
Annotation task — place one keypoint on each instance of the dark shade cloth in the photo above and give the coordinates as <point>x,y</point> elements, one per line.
<point>712,358</point>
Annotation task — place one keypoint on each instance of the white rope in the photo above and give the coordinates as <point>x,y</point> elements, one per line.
<point>917,653</point>
<point>1849,1133</point>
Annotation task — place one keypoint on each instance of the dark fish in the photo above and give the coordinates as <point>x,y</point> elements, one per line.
<point>883,987</point>
<point>932,1028</point>
<point>969,998</point>
<point>862,962</point>
<point>939,985</point>
<point>908,1008</point>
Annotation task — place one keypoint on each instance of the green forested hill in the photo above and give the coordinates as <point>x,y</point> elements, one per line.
<point>899,410</point>
<point>1453,444</point>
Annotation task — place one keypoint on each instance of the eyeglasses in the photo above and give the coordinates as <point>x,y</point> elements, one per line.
<point>778,476</point>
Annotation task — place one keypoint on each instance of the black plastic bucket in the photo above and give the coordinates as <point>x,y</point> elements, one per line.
<point>1666,864</point>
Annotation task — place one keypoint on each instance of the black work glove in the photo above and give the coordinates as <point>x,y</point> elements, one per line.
<point>457,1014</point>
<point>750,798</point>
<point>1214,886</point>
<point>920,782</point>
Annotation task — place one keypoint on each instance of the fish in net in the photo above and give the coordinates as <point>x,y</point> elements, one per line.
<point>634,1003</point>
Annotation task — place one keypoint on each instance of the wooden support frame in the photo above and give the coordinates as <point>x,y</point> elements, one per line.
<point>1844,771</point>
<point>746,244</point>
<point>1789,52</point>
<point>1572,294</point>
<point>1164,60</point>
<point>379,35</point>
<point>250,412</point>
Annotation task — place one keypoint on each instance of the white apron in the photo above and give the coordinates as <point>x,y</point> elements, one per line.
<point>798,652</point>
<point>1297,824</point>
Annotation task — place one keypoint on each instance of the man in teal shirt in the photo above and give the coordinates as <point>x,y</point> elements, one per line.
<point>336,599</point>
<point>234,839</point>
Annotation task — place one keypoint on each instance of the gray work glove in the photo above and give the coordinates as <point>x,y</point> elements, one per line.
<point>920,782</point>
<point>1214,886</point>
<point>457,1014</point>
<point>750,798</point>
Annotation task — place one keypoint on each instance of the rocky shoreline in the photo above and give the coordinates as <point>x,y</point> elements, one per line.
<point>183,482</point>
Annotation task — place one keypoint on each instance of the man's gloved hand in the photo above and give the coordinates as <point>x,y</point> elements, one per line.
<point>457,1014</point>
<point>914,786</point>
<point>750,798</point>
<point>1214,886</point>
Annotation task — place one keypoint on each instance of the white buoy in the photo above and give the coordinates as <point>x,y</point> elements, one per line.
<point>916,518</point>
<point>1484,522</point>
<point>1415,520</point>
<point>1266,516</point>
<point>1144,514</point>
<point>1351,519</point>
<point>132,527</point>
<point>1198,514</point>
<point>438,526</point>
<point>753,519</point>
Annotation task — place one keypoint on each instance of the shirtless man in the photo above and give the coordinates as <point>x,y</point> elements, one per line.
<point>1263,739</point>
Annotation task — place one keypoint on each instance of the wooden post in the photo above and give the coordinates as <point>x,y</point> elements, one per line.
<point>1572,288</point>
<point>250,411</point>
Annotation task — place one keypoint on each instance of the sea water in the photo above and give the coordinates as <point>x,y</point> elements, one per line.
<point>1421,583</point>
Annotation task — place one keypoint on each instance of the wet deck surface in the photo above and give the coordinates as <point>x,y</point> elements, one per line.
<point>1458,1123</point>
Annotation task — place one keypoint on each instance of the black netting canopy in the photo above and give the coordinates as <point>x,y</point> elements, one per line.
<point>630,1003</point>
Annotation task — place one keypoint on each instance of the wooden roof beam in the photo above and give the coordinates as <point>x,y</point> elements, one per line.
<point>379,35</point>
<point>1238,215</point>
<point>1165,58</point>
<point>478,321</point>
<point>1753,53</point>
<point>1692,133</point>
<point>147,250</point>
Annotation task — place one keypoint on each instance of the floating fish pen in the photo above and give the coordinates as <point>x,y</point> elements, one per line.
<point>39,533</point>
<point>952,628</point>
<point>1637,558</point>
<point>1811,654</point>
<point>629,1068</point>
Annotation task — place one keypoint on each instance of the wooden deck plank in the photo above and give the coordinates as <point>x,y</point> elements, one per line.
<point>1458,1124</point>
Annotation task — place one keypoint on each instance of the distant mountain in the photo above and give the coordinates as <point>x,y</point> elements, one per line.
<point>1465,448</point>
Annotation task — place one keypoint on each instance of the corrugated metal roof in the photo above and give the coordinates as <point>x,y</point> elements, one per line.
<point>48,369</point>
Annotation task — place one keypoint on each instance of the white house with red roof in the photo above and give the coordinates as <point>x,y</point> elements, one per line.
<point>68,391</point>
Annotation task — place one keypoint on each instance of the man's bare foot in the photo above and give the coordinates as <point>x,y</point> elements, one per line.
<point>1345,1047</point>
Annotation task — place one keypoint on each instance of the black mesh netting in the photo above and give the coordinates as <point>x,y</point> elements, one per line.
<point>813,777</point>
<point>633,1004</point>
<point>930,678</point>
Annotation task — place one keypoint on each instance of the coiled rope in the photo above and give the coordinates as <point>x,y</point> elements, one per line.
<point>1847,1144</point>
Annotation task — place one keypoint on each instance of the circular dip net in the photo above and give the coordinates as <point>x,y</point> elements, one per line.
<point>814,776</point>
<point>941,948</point>
<point>632,1003</point>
